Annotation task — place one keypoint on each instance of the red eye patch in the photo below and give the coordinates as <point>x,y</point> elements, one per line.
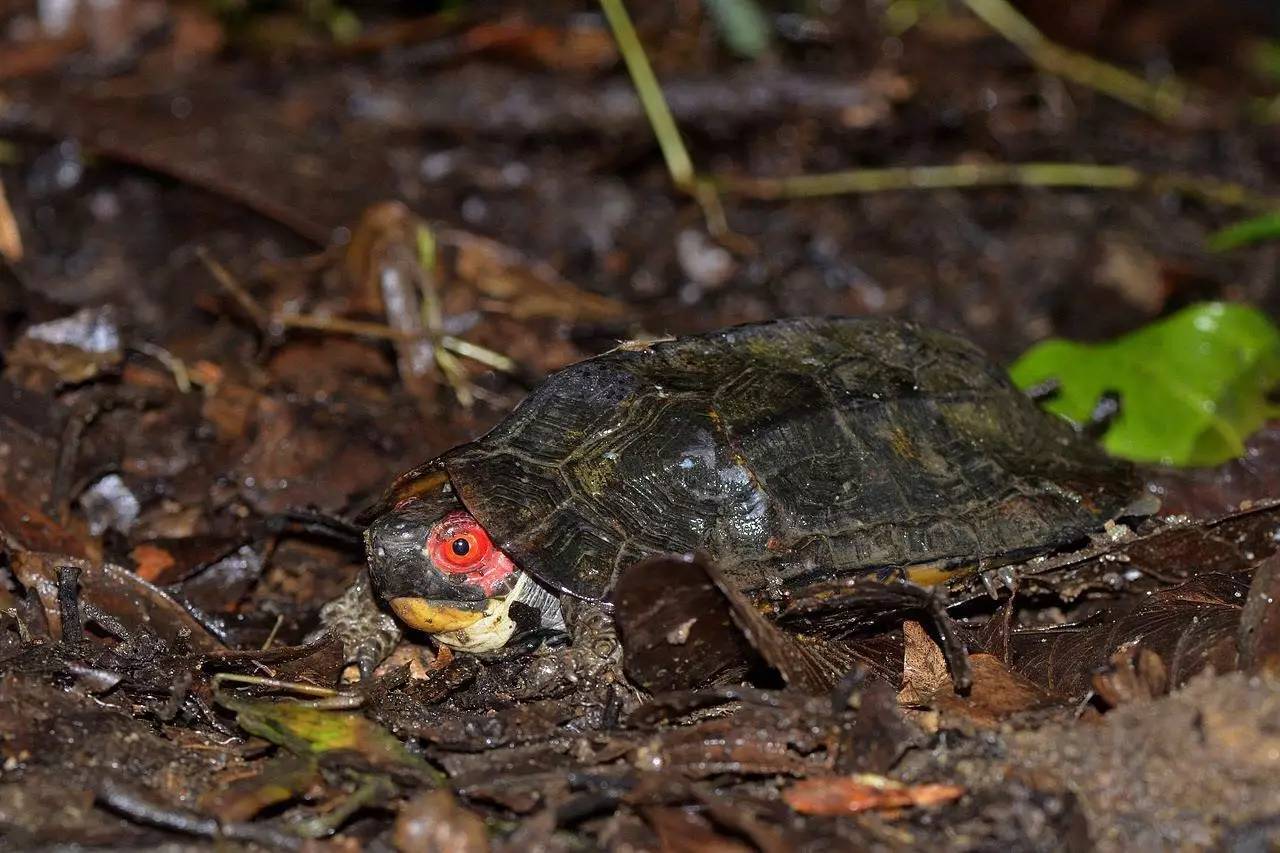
<point>458,545</point>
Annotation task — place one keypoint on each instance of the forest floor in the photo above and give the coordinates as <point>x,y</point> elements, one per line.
<point>210,232</point>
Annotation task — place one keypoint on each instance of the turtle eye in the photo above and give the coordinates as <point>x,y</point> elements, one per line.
<point>459,544</point>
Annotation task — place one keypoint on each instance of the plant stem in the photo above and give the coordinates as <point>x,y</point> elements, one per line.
<point>972,175</point>
<point>679,165</point>
<point>1167,100</point>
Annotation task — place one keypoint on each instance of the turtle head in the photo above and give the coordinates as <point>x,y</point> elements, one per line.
<point>442,574</point>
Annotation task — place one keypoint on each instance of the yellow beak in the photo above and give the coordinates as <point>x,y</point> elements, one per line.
<point>433,618</point>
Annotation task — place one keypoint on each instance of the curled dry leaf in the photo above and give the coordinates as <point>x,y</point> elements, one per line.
<point>924,669</point>
<point>1191,627</point>
<point>526,288</point>
<point>845,795</point>
<point>996,693</point>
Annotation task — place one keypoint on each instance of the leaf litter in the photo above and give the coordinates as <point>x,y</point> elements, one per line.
<point>171,455</point>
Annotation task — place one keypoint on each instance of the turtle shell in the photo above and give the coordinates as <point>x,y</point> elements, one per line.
<point>787,451</point>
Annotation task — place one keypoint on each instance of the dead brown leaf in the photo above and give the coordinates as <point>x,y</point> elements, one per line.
<point>25,528</point>
<point>997,694</point>
<point>844,795</point>
<point>1209,492</point>
<point>39,55</point>
<point>230,407</point>
<point>150,561</point>
<point>924,668</point>
<point>684,624</point>
<point>1191,626</point>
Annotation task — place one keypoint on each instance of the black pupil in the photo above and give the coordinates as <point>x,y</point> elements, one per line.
<point>461,547</point>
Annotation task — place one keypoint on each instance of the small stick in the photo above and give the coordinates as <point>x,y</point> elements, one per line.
<point>258,681</point>
<point>68,451</point>
<point>340,325</point>
<point>453,373</point>
<point>140,807</point>
<point>69,605</point>
<point>329,699</point>
<point>231,285</point>
<point>953,647</point>
<point>178,692</point>
<point>105,621</point>
<point>275,629</point>
<point>175,365</point>
<point>484,356</point>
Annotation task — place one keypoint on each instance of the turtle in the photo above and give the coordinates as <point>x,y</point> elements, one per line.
<point>786,452</point>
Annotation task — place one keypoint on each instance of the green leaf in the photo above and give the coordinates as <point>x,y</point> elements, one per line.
<point>307,731</point>
<point>1192,387</point>
<point>742,25</point>
<point>1265,60</point>
<point>1245,233</point>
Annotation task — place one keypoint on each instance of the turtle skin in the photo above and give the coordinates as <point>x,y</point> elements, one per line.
<point>787,451</point>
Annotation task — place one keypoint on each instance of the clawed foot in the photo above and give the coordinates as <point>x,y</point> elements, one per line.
<point>367,634</point>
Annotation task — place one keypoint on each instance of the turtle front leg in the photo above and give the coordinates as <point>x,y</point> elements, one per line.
<point>367,634</point>
<point>593,662</point>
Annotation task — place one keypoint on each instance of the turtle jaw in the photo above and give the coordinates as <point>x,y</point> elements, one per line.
<point>492,629</point>
<point>465,630</point>
<point>434,617</point>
